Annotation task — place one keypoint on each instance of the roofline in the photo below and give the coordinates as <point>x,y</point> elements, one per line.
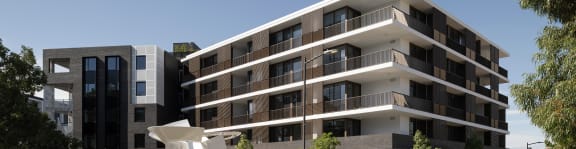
<point>314,7</point>
<point>266,26</point>
<point>467,27</point>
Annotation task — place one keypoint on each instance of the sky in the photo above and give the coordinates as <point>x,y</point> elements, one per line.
<point>70,23</point>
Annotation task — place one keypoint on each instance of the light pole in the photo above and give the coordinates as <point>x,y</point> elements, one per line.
<point>528,144</point>
<point>305,62</point>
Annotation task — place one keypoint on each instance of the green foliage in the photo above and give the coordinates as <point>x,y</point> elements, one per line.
<point>548,95</point>
<point>244,143</point>
<point>421,141</point>
<point>473,143</point>
<point>326,141</point>
<point>184,47</point>
<point>22,126</point>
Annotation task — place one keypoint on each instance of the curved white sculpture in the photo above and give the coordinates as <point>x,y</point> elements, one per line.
<point>179,135</point>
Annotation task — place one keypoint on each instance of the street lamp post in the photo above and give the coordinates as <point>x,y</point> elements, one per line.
<point>305,62</point>
<point>528,144</point>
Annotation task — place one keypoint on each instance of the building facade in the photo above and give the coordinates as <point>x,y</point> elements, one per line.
<point>393,67</point>
<point>57,109</point>
<point>114,92</point>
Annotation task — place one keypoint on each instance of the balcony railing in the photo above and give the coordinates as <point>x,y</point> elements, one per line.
<point>503,98</point>
<point>483,90</point>
<point>242,119</point>
<point>209,124</point>
<point>286,45</point>
<point>502,125</point>
<point>502,71</point>
<point>243,59</point>
<point>419,26</point>
<point>380,99</point>
<point>286,79</point>
<point>209,97</point>
<point>208,70</point>
<point>238,90</point>
<point>455,113</point>
<point>456,79</point>
<point>479,119</point>
<point>456,46</point>
<point>364,20</point>
<point>480,59</point>
<point>286,112</point>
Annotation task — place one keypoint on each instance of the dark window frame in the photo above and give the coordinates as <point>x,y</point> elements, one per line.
<point>209,61</point>
<point>285,133</point>
<point>139,140</point>
<point>207,88</point>
<point>349,12</point>
<point>208,114</point>
<point>294,31</point>
<point>137,117</point>
<point>285,100</point>
<point>350,127</point>
<point>140,62</point>
<point>139,88</point>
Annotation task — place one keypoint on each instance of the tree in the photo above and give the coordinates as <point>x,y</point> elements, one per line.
<point>547,95</point>
<point>21,124</point>
<point>326,141</point>
<point>473,143</point>
<point>244,143</point>
<point>421,141</point>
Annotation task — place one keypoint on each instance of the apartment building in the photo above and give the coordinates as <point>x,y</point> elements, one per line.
<point>376,71</point>
<point>114,92</point>
<point>57,109</point>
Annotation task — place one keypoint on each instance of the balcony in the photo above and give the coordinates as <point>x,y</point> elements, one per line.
<point>286,79</point>
<point>286,45</point>
<point>479,119</point>
<point>483,90</point>
<point>456,79</point>
<point>380,99</point>
<point>283,113</point>
<point>483,61</point>
<point>502,125</point>
<point>364,20</point>
<point>503,98</point>
<point>455,113</point>
<point>209,97</point>
<point>375,58</point>
<point>456,46</point>
<point>243,119</point>
<point>209,124</point>
<point>239,90</point>
<point>503,71</point>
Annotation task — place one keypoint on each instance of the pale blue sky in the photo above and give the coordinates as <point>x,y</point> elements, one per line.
<point>71,23</point>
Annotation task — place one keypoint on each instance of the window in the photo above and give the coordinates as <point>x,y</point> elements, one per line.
<point>160,144</point>
<point>456,133</point>
<point>339,15</point>
<point>208,114</point>
<point>139,141</point>
<point>285,133</point>
<point>208,61</point>
<point>208,88</point>
<point>286,34</point>
<point>420,16</point>
<point>455,36</point>
<point>455,67</point>
<point>457,101</point>
<point>285,100</point>
<point>140,62</point>
<point>339,92</point>
<point>140,88</point>
<point>425,126</point>
<point>421,53</point>
<point>139,114</point>
<point>420,90</point>
<point>293,66</point>
<point>335,62</point>
<point>487,138</point>
<point>89,96</point>
<point>342,127</point>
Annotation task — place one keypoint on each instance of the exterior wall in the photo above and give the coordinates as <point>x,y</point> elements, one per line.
<point>158,111</point>
<point>436,58</point>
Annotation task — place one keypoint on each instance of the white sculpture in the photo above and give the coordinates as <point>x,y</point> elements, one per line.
<point>179,135</point>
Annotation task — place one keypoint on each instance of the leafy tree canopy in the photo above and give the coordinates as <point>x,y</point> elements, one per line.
<point>244,143</point>
<point>326,141</point>
<point>22,126</point>
<point>548,96</point>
